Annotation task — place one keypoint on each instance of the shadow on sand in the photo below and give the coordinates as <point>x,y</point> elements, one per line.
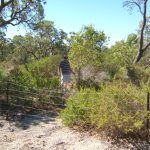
<point>23,119</point>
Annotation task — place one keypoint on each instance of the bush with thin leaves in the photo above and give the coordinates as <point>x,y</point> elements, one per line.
<point>117,108</point>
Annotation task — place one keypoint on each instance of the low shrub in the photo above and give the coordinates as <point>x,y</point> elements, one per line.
<point>138,74</point>
<point>2,80</point>
<point>117,108</point>
<point>39,74</point>
<point>38,77</point>
<point>79,107</point>
<point>89,83</point>
<point>2,75</point>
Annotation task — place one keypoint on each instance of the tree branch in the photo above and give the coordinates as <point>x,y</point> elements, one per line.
<point>146,46</point>
<point>4,4</point>
<point>12,11</point>
<point>14,17</point>
<point>147,64</point>
<point>30,52</point>
<point>22,12</point>
<point>131,3</point>
<point>141,49</point>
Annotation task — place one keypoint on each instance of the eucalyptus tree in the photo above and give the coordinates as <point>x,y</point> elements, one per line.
<point>86,49</point>
<point>24,50</point>
<point>142,6</point>
<point>43,41</point>
<point>120,56</point>
<point>87,46</point>
<point>2,45</point>
<point>132,40</point>
<point>5,46</point>
<point>15,12</point>
<point>48,39</point>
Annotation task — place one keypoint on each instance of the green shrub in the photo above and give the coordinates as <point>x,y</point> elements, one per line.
<point>2,80</point>
<point>122,105</point>
<point>121,74</point>
<point>39,74</point>
<point>39,78</point>
<point>89,83</point>
<point>138,74</point>
<point>2,75</point>
<point>24,78</point>
<point>45,68</point>
<point>117,107</point>
<point>78,107</point>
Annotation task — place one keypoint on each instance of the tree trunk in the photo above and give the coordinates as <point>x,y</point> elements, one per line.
<point>138,56</point>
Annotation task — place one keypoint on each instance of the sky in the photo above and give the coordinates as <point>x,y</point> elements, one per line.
<point>109,16</point>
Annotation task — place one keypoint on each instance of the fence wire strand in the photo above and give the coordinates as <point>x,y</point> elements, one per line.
<point>18,96</point>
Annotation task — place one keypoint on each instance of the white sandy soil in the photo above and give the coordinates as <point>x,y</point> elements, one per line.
<point>46,133</point>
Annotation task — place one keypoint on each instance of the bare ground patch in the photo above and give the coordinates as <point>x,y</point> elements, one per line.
<point>46,132</point>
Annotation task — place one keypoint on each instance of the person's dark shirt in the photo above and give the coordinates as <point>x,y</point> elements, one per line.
<point>65,66</point>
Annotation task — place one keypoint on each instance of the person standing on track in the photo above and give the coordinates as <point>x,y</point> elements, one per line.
<point>64,71</point>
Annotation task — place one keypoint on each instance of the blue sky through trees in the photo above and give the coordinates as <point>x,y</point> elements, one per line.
<point>109,16</point>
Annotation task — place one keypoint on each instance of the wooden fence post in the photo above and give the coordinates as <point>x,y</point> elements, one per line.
<point>7,99</point>
<point>148,120</point>
<point>79,79</point>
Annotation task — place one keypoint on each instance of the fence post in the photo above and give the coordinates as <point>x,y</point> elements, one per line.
<point>79,79</point>
<point>148,112</point>
<point>7,98</point>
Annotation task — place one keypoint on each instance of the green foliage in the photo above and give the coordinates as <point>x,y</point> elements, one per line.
<point>79,107</point>
<point>2,75</point>
<point>22,77</point>
<point>138,74</point>
<point>86,47</point>
<point>119,55</point>
<point>45,68</point>
<point>39,79</point>
<point>89,83</point>
<point>24,12</point>
<point>132,39</point>
<point>2,80</point>
<point>145,87</point>
<point>44,41</point>
<point>39,74</point>
<point>117,107</point>
<point>49,39</point>
<point>121,74</point>
<point>23,49</point>
<point>5,47</point>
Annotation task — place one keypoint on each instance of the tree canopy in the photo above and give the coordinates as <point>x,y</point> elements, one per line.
<point>86,46</point>
<point>15,12</point>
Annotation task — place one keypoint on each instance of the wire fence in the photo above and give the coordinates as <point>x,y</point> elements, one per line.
<point>16,99</point>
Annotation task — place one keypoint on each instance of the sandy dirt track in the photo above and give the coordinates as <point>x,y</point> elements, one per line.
<point>40,132</point>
